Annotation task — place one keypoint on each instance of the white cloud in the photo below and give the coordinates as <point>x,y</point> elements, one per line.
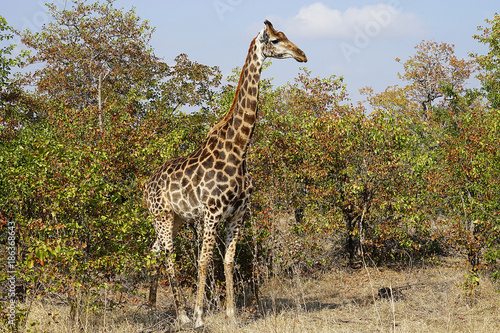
<point>382,20</point>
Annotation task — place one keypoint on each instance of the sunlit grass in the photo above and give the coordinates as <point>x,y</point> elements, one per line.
<point>429,299</point>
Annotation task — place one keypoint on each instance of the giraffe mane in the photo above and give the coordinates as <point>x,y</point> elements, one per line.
<point>233,106</point>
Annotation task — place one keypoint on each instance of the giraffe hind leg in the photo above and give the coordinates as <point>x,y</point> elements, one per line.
<point>153,284</point>
<point>167,226</point>
<point>232,233</point>
<point>154,273</point>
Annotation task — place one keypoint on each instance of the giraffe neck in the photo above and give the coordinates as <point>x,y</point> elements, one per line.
<point>237,126</point>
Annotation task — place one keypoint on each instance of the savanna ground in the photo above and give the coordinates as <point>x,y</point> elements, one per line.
<point>428,298</point>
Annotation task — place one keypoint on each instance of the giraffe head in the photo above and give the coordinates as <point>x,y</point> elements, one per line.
<point>275,45</point>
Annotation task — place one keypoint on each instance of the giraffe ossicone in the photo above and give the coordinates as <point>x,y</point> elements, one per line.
<point>212,183</point>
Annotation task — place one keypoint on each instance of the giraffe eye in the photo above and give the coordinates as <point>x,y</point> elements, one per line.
<point>275,41</point>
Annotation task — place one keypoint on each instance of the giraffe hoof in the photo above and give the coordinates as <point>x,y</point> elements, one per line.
<point>231,318</point>
<point>199,325</point>
<point>183,321</point>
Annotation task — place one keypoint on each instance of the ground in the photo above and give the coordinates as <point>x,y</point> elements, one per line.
<point>429,298</point>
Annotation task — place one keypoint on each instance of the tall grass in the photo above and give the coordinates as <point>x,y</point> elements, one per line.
<point>429,298</point>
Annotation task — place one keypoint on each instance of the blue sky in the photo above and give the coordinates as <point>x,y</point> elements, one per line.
<point>357,39</point>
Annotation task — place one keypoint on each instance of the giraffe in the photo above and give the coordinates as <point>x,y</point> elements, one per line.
<point>212,183</point>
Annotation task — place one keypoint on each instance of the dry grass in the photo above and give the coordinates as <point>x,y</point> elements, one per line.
<point>425,300</point>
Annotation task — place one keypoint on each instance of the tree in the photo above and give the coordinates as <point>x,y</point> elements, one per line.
<point>6,61</point>
<point>490,63</point>
<point>92,53</point>
<point>434,65</point>
<point>449,155</point>
<point>472,182</point>
<point>14,104</point>
<point>414,120</point>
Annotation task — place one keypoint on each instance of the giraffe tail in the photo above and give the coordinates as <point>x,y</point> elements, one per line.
<point>144,199</point>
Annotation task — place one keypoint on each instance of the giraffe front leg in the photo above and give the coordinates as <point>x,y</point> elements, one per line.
<point>209,234</point>
<point>233,229</point>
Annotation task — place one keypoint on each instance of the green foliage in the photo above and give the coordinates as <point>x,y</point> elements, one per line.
<point>473,165</point>
<point>489,63</point>
<point>6,62</point>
